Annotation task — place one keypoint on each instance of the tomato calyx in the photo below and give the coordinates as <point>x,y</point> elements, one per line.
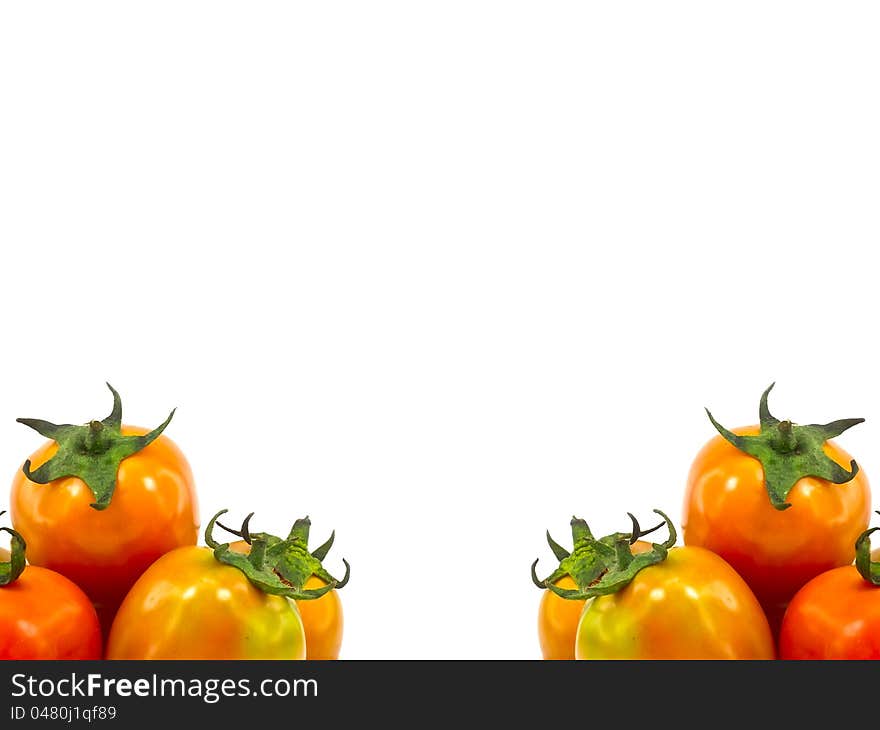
<point>868,569</point>
<point>12,568</point>
<point>789,452</point>
<point>92,452</point>
<point>275,566</point>
<point>604,566</point>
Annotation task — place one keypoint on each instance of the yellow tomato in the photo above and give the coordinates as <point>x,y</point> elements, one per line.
<point>321,617</point>
<point>187,605</point>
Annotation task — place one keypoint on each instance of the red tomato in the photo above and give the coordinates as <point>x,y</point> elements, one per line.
<point>837,614</point>
<point>43,615</point>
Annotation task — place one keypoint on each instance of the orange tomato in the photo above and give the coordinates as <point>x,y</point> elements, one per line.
<point>727,511</point>
<point>692,605</point>
<point>558,617</point>
<point>153,510</point>
<point>558,621</point>
<point>43,615</point>
<point>322,621</point>
<point>187,605</point>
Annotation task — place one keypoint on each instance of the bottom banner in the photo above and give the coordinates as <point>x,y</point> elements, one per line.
<point>227,694</point>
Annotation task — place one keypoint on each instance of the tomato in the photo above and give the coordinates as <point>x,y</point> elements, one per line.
<point>558,621</point>
<point>658,603</point>
<point>834,616</point>
<point>103,527</point>
<point>837,614</point>
<point>692,605</point>
<point>43,614</point>
<point>558,617</point>
<point>221,603</point>
<point>779,531</point>
<point>187,605</point>
<point>322,616</point>
<point>322,620</point>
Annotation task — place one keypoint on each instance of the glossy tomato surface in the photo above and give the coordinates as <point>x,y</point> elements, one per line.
<point>834,616</point>
<point>45,616</point>
<point>189,606</point>
<point>322,617</point>
<point>153,510</point>
<point>727,511</point>
<point>693,605</point>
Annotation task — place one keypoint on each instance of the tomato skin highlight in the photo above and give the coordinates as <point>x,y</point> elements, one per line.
<point>189,606</point>
<point>693,605</point>
<point>834,616</point>
<point>43,615</point>
<point>727,510</point>
<point>153,510</point>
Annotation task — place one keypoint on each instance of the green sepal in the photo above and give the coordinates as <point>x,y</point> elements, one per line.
<point>92,452</point>
<point>868,569</point>
<point>12,568</point>
<point>604,566</point>
<point>275,566</point>
<point>789,452</point>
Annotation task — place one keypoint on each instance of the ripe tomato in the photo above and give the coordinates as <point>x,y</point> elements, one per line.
<point>103,526</point>
<point>693,605</point>
<point>219,603</point>
<point>558,621</point>
<point>43,615</point>
<point>778,531</point>
<point>322,616</point>
<point>837,614</point>
<point>322,620</point>
<point>187,605</point>
<point>558,617</point>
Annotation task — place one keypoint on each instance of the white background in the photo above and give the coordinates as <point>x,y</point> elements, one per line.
<point>439,274</point>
